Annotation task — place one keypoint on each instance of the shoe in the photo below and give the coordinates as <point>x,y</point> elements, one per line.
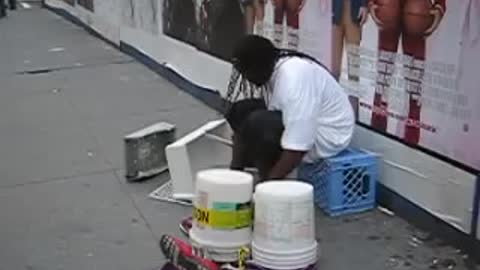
<point>12,4</point>
<point>183,256</point>
<point>167,266</point>
<point>186,225</point>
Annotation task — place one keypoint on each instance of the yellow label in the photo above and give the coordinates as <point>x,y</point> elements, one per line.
<point>243,255</point>
<point>223,219</point>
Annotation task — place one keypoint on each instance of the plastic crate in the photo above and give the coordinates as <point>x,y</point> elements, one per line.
<point>344,184</point>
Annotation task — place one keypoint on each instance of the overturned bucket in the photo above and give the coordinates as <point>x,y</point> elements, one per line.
<point>284,234</point>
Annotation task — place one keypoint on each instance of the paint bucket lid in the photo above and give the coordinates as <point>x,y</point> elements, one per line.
<point>284,190</point>
<point>225,177</point>
<point>224,185</point>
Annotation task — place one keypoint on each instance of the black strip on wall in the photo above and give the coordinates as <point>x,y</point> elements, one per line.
<point>476,210</point>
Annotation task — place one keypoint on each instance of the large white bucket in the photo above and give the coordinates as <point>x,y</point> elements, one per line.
<point>221,255</point>
<point>222,212</point>
<point>273,260</point>
<point>284,235</point>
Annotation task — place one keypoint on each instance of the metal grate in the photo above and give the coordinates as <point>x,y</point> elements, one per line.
<point>356,185</point>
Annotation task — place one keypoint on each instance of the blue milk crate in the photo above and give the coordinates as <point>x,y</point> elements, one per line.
<point>343,184</point>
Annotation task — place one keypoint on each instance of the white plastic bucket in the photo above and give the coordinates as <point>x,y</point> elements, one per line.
<point>284,235</point>
<point>223,215</point>
<point>294,260</point>
<point>284,256</point>
<point>222,255</point>
<point>277,265</point>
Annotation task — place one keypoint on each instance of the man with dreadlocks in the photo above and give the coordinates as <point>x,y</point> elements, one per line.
<point>307,116</point>
<point>292,111</point>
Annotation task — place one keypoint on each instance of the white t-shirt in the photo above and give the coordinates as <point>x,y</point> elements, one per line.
<point>317,114</point>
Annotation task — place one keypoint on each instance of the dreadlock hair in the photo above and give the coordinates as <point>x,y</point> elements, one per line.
<point>256,56</point>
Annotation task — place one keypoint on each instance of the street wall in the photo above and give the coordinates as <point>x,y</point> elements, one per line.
<point>427,142</point>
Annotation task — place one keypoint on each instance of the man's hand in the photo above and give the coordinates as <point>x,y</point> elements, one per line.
<point>288,161</point>
<point>437,13</point>
<point>363,15</point>
<point>372,8</point>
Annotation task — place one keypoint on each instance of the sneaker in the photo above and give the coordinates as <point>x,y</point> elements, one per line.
<point>183,256</point>
<point>186,225</point>
<point>168,266</point>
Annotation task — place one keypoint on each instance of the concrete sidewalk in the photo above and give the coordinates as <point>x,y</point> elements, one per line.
<point>66,100</point>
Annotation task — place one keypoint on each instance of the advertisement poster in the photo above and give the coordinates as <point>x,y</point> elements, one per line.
<point>409,69</point>
<point>213,26</point>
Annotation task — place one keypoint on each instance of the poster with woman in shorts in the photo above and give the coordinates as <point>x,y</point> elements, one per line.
<point>348,17</point>
<point>409,66</point>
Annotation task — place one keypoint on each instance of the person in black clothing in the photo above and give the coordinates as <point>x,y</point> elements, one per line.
<point>3,9</point>
<point>12,4</point>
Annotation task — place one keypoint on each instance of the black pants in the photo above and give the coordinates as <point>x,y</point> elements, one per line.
<point>3,8</point>
<point>257,136</point>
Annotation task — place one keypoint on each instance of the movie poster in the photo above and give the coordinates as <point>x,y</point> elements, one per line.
<point>87,4</point>
<point>409,67</point>
<point>214,26</point>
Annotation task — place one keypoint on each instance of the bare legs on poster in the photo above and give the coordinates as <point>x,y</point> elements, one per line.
<point>347,33</point>
<point>399,19</point>
<point>290,10</point>
<point>254,16</point>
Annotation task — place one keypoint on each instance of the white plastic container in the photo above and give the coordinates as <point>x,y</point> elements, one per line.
<point>195,152</point>
<point>223,212</point>
<point>284,235</point>
<point>221,255</point>
<point>285,261</point>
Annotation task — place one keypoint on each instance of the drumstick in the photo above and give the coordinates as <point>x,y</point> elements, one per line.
<point>219,139</point>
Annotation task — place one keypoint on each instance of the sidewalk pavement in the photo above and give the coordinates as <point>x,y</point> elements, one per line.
<point>66,101</point>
